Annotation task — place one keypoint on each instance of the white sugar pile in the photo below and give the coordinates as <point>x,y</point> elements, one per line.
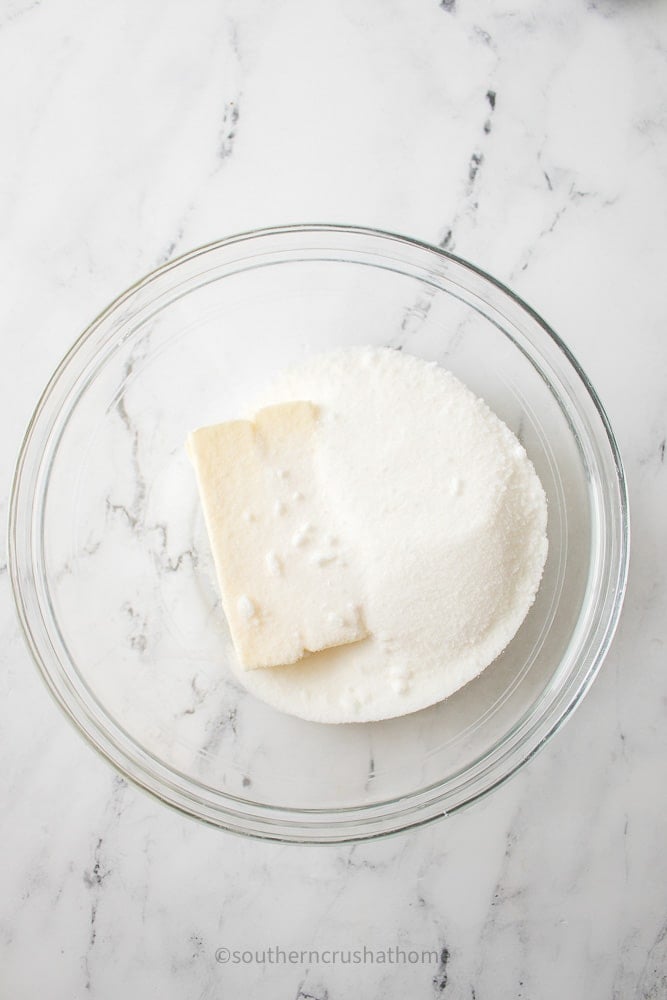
<point>447,518</point>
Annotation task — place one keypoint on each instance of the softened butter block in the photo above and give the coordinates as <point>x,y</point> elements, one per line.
<point>285,579</point>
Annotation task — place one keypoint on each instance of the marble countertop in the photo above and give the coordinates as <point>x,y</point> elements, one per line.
<point>530,138</point>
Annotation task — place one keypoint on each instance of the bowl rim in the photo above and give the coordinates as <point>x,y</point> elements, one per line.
<point>289,824</point>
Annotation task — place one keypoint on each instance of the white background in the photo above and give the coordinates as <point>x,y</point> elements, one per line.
<point>133,131</point>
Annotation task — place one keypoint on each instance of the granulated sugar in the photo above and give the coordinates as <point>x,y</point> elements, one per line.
<point>447,521</point>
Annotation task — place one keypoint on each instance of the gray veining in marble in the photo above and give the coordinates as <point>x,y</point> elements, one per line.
<point>528,137</point>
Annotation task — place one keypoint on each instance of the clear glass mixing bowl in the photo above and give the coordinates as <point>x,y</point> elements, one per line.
<point>110,564</point>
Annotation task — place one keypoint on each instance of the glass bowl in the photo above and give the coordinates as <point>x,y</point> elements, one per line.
<point>110,564</point>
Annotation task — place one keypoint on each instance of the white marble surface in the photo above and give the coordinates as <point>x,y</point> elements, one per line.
<point>532,138</point>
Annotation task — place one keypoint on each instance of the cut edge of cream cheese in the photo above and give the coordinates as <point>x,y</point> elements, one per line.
<point>286,580</point>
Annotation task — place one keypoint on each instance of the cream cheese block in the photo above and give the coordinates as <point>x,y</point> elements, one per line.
<point>287,581</point>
